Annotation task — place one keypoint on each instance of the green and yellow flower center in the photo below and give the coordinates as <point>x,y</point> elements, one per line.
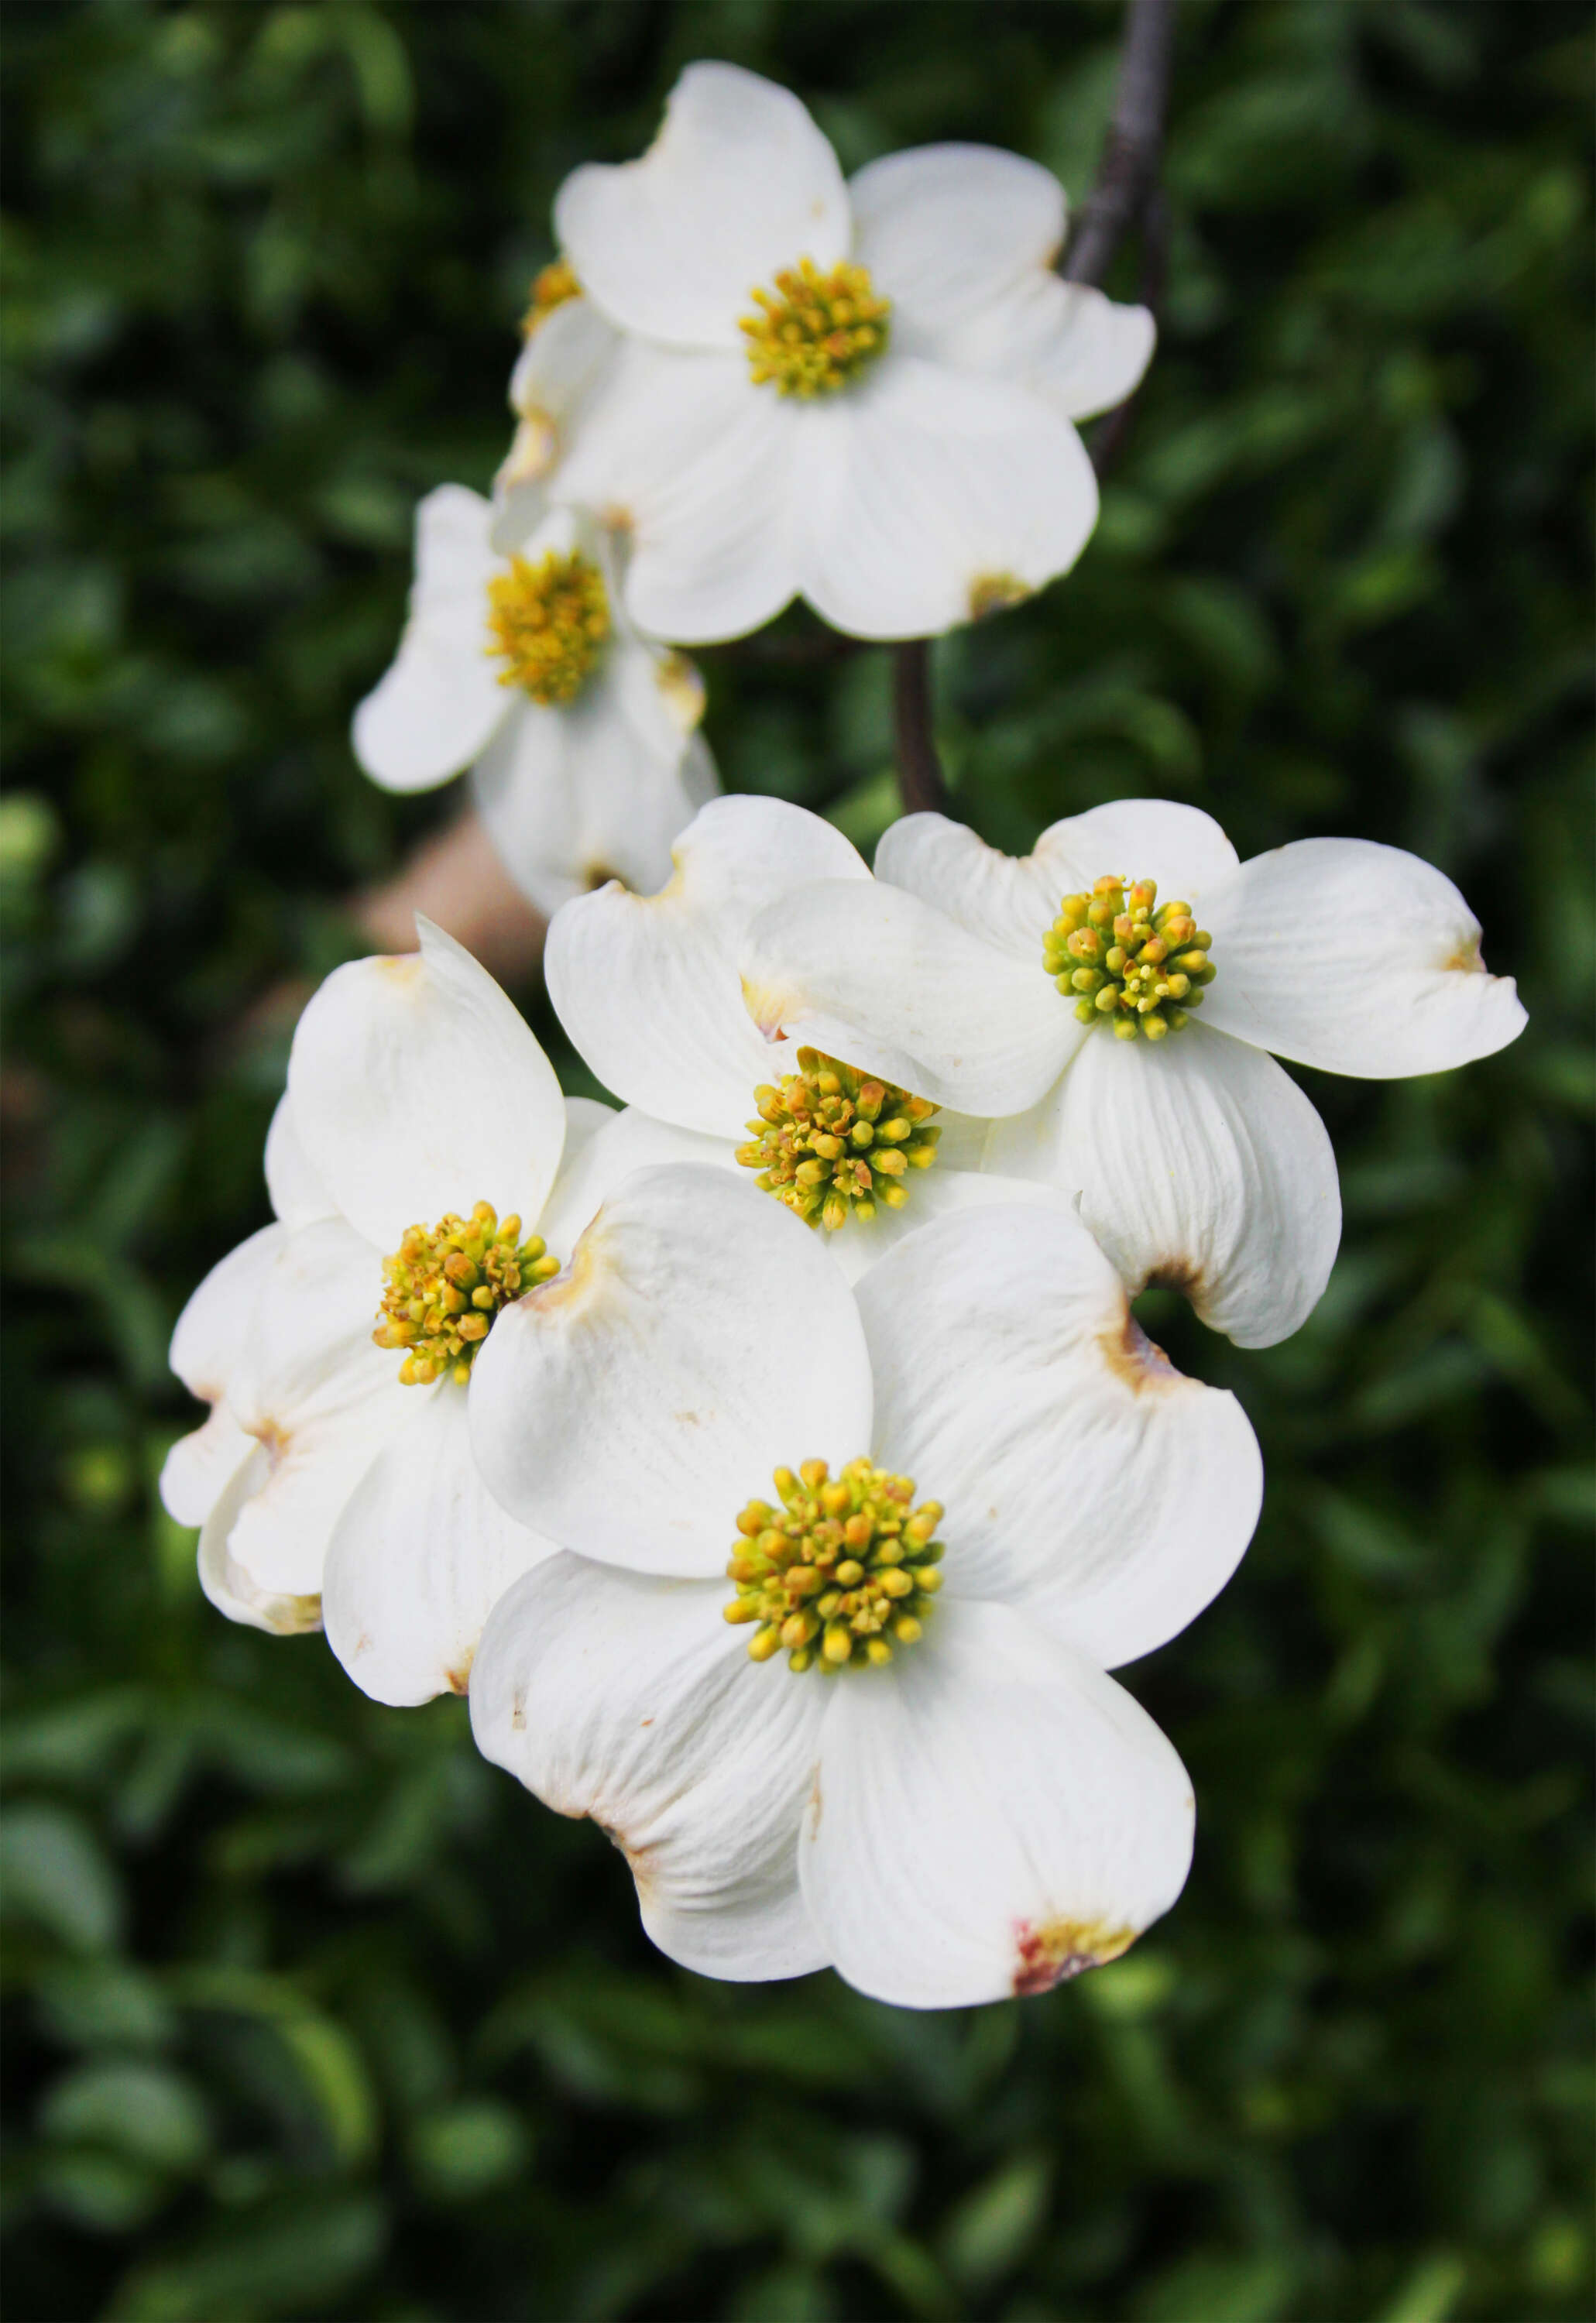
<point>1128,960</point>
<point>548,622</point>
<point>446,1285</point>
<point>832,1142</point>
<point>550,288</point>
<point>844,1570</point>
<point>815,332</point>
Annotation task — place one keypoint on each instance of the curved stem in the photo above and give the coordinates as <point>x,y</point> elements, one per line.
<point>920,771</point>
<point>1134,144</point>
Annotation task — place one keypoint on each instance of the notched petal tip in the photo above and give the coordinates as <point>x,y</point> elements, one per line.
<point>1050,1954</point>
<point>1137,1360</point>
<point>533,452</point>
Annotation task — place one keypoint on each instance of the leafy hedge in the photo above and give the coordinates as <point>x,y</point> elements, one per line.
<point>310,2013</point>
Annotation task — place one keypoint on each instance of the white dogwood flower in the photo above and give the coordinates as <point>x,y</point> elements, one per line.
<point>1059,988</point>
<point>861,393</point>
<point>648,990</point>
<point>581,734</point>
<point>567,349</point>
<point>890,1744</point>
<point>415,1166</point>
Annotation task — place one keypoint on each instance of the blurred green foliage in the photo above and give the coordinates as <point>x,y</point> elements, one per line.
<point>309,2012</point>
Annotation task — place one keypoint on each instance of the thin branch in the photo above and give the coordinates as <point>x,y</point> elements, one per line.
<point>1134,144</point>
<point>920,771</point>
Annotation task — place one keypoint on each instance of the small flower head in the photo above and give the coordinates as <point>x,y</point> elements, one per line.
<point>815,332</point>
<point>549,621</point>
<point>832,1143</point>
<point>1128,960</point>
<point>843,1570</point>
<point>447,1285</point>
<point>551,288</point>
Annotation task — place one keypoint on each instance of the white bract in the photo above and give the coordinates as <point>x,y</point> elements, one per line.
<point>1057,989</point>
<point>581,734</point>
<point>862,393</point>
<point>414,1166</point>
<point>889,1743</point>
<point>647,988</point>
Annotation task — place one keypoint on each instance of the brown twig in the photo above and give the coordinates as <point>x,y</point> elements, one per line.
<point>920,771</point>
<point>1134,144</point>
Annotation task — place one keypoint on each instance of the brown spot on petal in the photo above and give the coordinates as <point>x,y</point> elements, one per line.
<point>273,1438</point>
<point>518,1714</point>
<point>995,592</point>
<point>1468,959</point>
<point>1059,1948</point>
<point>600,875</point>
<point>816,1805</point>
<point>534,450</point>
<point>637,1858</point>
<point>1135,1358</point>
<point>403,967</point>
<point>460,1679</point>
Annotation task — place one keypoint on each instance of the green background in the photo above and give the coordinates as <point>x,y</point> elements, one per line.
<point>308,2011</point>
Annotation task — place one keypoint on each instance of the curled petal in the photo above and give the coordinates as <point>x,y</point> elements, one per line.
<point>1200,1164</point>
<point>1008,901</point>
<point>441,700</point>
<point>230,1588</point>
<point>418,1559</point>
<point>1085,1480</point>
<point>629,1699</point>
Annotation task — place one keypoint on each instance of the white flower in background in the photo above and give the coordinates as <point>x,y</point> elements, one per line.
<point>889,1744</point>
<point>862,393</point>
<point>647,988</point>
<point>415,1152</point>
<point>580,734</point>
<point>1059,988</point>
<point>568,348</point>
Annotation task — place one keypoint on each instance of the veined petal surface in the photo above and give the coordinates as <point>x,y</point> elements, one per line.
<point>1356,958</point>
<point>1199,1163</point>
<point>698,1338</point>
<point>886,983</point>
<point>1009,901</point>
<point>419,1089</point>
<point>992,1816</point>
<point>630,1700</point>
<point>419,1557</point>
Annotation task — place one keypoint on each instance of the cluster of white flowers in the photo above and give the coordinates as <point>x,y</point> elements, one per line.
<point>776,1461</point>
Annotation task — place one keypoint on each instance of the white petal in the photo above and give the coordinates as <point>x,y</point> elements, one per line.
<point>213,1327</point>
<point>1180,847</point>
<point>945,229</point>
<point>648,986</point>
<point>1085,1479</point>
<point>419,1557</point>
<point>1355,957</point>
<point>698,1338</point>
<point>737,183</point>
<point>574,796</point>
<point>556,379</point>
<point>698,466</point>
<point>418,1090</point>
<point>1008,900</point>
<point>440,701</point>
<point>940,1192</point>
<point>630,1700</point>
<point>627,1141</point>
<point>200,1466</point>
<point>1199,1163</point>
<point>992,1814</point>
<point>1065,341</point>
<point>584,1117</point>
<point>318,1396</point>
<point>297,1194</point>
<point>227,1585</point>
<point>927,493</point>
<point>881,980</point>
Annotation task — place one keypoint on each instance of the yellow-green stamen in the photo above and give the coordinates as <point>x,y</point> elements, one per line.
<point>842,1571</point>
<point>446,1284</point>
<point>1127,961</point>
<point>549,621</point>
<point>815,332</point>
<point>832,1142</point>
<point>551,288</point>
